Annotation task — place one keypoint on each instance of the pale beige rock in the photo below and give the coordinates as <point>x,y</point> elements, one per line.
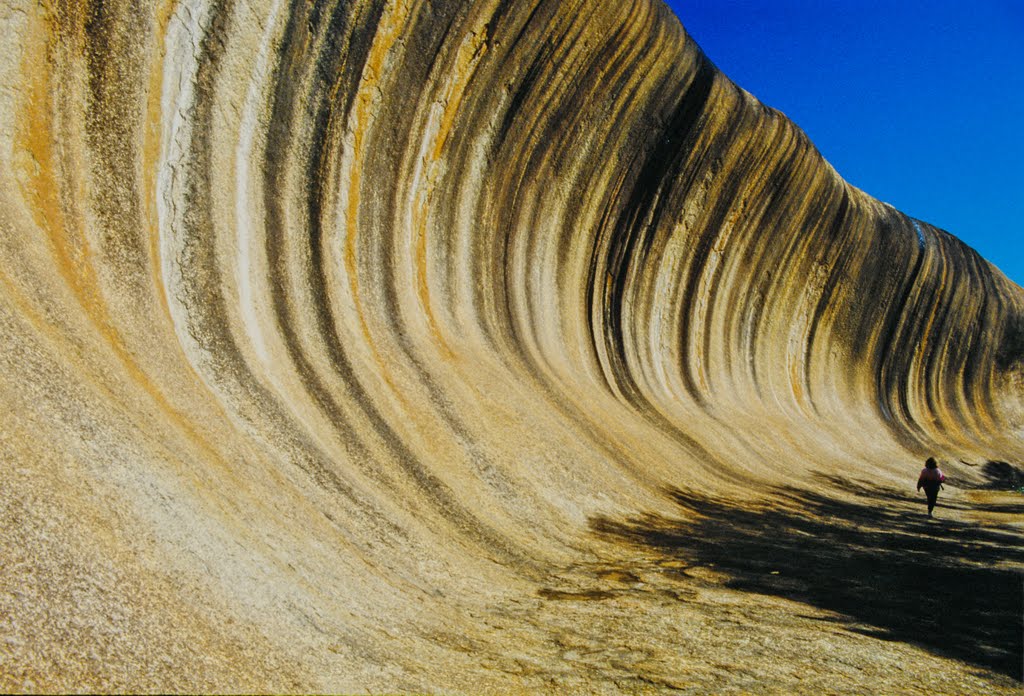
<point>467,347</point>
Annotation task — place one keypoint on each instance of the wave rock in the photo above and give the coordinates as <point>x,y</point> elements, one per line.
<point>331,329</point>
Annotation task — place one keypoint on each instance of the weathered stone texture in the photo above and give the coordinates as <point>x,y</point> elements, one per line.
<point>329,328</point>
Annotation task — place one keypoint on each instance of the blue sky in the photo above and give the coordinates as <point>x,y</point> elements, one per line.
<point>920,104</point>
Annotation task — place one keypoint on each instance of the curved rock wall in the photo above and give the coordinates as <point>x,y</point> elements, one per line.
<point>329,326</point>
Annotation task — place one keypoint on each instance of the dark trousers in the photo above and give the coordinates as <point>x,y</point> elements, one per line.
<point>932,491</point>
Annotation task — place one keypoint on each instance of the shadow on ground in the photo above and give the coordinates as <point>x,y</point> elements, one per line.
<point>999,476</point>
<point>953,588</point>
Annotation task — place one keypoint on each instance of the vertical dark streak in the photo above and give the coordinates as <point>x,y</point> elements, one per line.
<point>639,216</point>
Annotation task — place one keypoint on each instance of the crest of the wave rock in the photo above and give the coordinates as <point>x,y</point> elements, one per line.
<point>328,327</point>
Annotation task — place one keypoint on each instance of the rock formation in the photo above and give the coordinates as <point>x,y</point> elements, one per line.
<point>340,337</point>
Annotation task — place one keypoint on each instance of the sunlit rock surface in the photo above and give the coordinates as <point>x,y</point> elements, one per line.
<point>469,346</point>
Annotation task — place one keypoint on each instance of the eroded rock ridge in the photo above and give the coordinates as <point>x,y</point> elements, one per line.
<point>329,329</point>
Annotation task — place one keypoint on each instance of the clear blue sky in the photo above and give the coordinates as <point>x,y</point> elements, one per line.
<point>920,104</point>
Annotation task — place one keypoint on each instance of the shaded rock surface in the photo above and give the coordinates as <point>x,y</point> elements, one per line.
<point>475,346</point>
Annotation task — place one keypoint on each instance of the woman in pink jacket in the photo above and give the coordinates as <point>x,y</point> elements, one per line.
<point>931,480</point>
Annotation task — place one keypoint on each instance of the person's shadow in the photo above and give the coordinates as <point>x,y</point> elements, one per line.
<point>951,587</point>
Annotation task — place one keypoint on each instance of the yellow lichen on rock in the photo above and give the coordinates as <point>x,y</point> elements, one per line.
<point>411,346</point>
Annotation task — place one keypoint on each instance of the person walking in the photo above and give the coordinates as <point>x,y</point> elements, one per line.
<point>931,479</point>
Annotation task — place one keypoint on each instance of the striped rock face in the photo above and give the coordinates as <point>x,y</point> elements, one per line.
<point>471,346</point>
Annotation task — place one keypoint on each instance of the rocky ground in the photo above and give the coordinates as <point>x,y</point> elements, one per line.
<point>801,593</point>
